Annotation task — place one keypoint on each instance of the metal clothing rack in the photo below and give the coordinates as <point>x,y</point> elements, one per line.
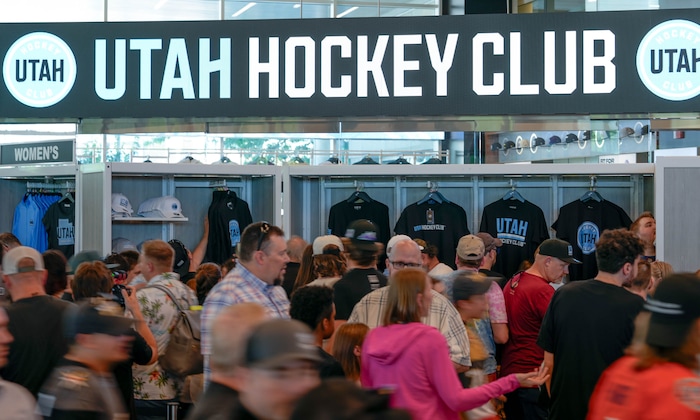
<point>67,186</point>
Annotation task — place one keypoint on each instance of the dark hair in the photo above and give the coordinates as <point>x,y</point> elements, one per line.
<point>250,237</point>
<point>328,265</point>
<point>311,305</point>
<point>131,256</point>
<point>206,277</point>
<point>340,399</point>
<point>362,257</point>
<point>615,248</point>
<point>91,279</point>
<point>118,259</point>
<point>57,275</point>
<point>9,240</point>
<point>470,263</point>
<point>228,265</point>
<point>305,273</point>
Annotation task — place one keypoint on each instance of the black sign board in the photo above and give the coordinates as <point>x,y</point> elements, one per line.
<point>42,152</point>
<point>563,63</point>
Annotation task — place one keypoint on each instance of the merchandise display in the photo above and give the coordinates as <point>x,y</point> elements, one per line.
<point>27,223</point>
<point>121,206</point>
<point>359,206</point>
<point>166,207</point>
<point>59,222</point>
<point>228,216</point>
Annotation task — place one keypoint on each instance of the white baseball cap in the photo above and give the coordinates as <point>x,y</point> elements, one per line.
<point>167,206</point>
<point>13,261</point>
<point>322,241</point>
<point>122,244</point>
<point>121,204</point>
<point>394,240</point>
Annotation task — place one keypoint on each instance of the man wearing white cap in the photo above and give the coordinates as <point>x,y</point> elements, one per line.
<point>405,253</point>
<point>35,320</point>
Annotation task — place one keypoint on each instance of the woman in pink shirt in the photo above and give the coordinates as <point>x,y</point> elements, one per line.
<point>412,358</point>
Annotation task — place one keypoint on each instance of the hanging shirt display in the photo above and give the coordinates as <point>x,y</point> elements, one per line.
<point>581,223</point>
<point>345,212</point>
<point>441,224</point>
<point>59,221</point>
<point>27,223</point>
<point>521,227</point>
<point>228,216</point>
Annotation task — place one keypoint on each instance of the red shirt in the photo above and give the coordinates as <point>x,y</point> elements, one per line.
<point>527,298</point>
<point>665,391</point>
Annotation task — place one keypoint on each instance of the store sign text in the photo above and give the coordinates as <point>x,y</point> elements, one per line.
<point>267,71</point>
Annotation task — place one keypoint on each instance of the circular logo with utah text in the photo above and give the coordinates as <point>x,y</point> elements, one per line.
<point>667,60</point>
<point>39,69</point>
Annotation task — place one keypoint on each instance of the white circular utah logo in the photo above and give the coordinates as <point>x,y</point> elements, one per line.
<point>39,69</point>
<point>667,60</point>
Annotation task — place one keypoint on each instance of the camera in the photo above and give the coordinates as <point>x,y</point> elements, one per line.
<point>119,276</point>
<point>117,292</point>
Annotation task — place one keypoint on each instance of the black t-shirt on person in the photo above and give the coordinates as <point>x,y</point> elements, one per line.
<point>440,224</point>
<point>587,326</point>
<point>352,287</point>
<point>329,367</point>
<point>521,227</point>
<point>36,323</point>
<point>219,402</point>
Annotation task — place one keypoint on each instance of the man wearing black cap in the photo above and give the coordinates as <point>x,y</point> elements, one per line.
<point>588,324</point>
<point>182,263</point>
<point>659,381</point>
<point>82,386</point>
<point>527,297</point>
<point>360,243</point>
<point>279,367</point>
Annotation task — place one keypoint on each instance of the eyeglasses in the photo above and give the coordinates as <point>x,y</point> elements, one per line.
<point>400,265</point>
<point>264,228</point>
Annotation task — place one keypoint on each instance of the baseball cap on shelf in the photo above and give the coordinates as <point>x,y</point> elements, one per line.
<point>554,140</point>
<point>496,146</point>
<point>121,207</point>
<point>181,263</point>
<point>470,247</point>
<point>674,309</point>
<point>626,132</point>
<point>539,141</point>
<point>96,315</point>
<point>524,143</point>
<point>85,256</point>
<point>395,239</point>
<point>489,241</point>
<point>122,244</point>
<point>558,249</point>
<point>22,259</point>
<point>363,235</point>
<point>323,241</point>
<point>571,138</point>
<point>167,207</point>
<point>467,284</point>
<point>509,144</point>
<point>275,342</point>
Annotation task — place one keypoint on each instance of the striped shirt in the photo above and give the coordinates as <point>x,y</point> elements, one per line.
<point>239,286</point>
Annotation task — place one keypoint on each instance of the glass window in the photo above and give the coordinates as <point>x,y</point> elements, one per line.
<point>161,10</point>
<point>53,11</point>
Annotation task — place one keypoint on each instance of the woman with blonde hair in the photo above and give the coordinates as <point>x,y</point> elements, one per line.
<point>412,358</point>
<point>347,348</point>
<point>659,271</point>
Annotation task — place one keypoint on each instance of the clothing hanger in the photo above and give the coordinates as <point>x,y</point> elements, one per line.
<point>433,195</point>
<point>68,196</point>
<point>591,194</point>
<point>513,194</point>
<point>359,195</point>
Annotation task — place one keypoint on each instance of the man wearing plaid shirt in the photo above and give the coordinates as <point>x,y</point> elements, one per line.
<point>262,260</point>
<point>442,315</point>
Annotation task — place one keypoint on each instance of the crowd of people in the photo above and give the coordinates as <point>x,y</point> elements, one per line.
<point>348,328</point>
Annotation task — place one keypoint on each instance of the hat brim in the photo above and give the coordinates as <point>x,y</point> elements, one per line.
<point>281,360</point>
<point>365,245</point>
<point>669,334</point>
<point>570,260</point>
<point>478,288</point>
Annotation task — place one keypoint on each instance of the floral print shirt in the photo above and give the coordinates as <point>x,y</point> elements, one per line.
<point>151,382</point>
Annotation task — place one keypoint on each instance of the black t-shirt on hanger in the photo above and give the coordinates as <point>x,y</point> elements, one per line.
<point>343,213</point>
<point>228,217</point>
<point>440,224</point>
<point>581,223</point>
<point>521,227</point>
<point>59,221</point>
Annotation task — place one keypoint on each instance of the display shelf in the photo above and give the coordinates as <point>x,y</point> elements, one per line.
<point>150,219</point>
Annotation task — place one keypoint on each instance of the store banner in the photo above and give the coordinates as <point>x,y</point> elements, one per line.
<point>552,63</point>
<point>42,152</point>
